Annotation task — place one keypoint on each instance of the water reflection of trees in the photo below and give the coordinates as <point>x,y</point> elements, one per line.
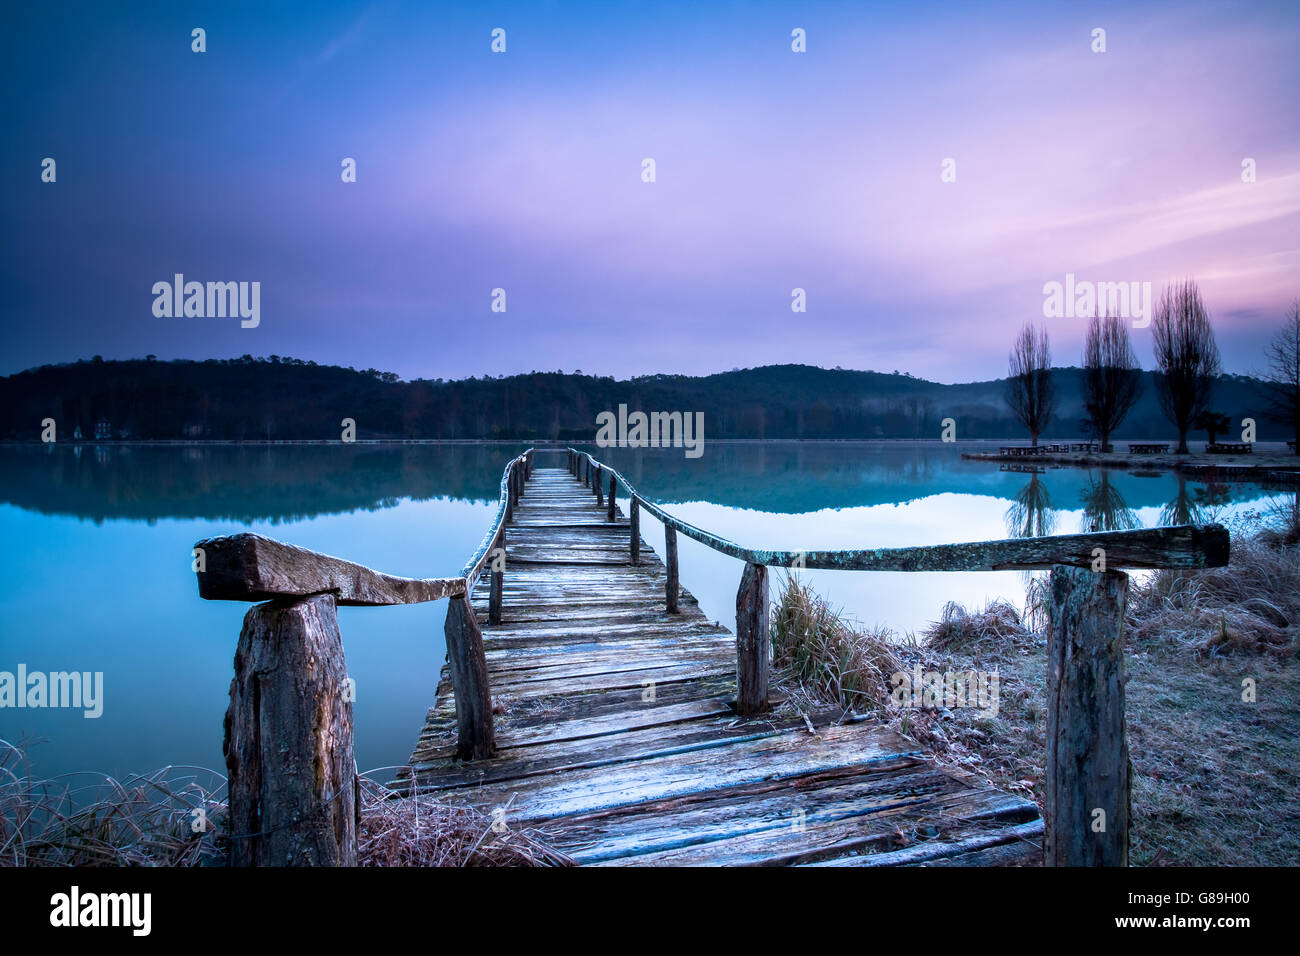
<point>1104,508</point>
<point>1194,506</point>
<point>1031,514</point>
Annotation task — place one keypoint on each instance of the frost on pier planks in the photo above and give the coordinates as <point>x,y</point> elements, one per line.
<point>620,740</point>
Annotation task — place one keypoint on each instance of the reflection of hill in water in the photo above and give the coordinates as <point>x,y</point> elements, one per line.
<point>260,482</point>
<point>243,483</point>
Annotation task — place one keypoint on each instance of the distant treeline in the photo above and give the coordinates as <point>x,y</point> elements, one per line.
<point>281,398</point>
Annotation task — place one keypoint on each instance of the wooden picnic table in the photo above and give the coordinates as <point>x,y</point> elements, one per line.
<point>1228,448</point>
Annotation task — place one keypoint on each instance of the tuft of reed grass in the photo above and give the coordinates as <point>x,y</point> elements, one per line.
<point>830,659</point>
<point>957,630</point>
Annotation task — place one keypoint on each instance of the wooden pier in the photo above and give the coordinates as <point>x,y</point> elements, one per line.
<point>587,696</point>
<point>616,730</point>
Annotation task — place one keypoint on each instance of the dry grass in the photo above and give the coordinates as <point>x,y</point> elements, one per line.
<point>418,830</point>
<point>1215,778</point>
<point>145,820</point>
<point>956,631</point>
<point>1247,607</point>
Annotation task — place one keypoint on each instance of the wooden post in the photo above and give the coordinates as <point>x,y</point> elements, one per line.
<point>498,580</point>
<point>670,552</point>
<point>1087,800</point>
<point>510,499</point>
<point>611,513</point>
<point>634,518</point>
<point>475,739</point>
<point>752,643</point>
<point>288,739</point>
<point>522,469</point>
<point>600,494</point>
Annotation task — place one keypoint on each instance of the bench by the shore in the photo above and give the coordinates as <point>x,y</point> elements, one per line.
<point>1148,448</point>
<point>1050,448</point>
<point>1228,448</point>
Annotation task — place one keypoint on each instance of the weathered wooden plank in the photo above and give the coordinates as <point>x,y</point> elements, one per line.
<point>965,840</point>
<point>440,773</point>
<point>802,822</point>
<point>249,567</point>
<point>781,758</point>
<point>616,680</point>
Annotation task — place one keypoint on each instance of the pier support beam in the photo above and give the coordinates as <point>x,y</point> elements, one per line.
<point>475,739</point>
<point>752,643</point>
<point>670,559</point>
<point>288,740</point>
<point>497,568</point>
<point>1087,799</point>
<point>634,519</point>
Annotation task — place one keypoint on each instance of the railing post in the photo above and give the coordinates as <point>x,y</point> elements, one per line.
<point>752,643</point>
<point>288,740</point>
<point>510,498</point>
<point>1087,799</point>
<point>634,518</point>
<point>522,469</point>
<point>670,553</point>
<point>475,739</point>
<point>611,514</point>
<point>497,565</point>
<point>600,494</point>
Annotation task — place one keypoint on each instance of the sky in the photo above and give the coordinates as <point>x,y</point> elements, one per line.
<point>522,170</point>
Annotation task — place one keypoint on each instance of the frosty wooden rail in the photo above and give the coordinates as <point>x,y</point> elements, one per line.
<point>1087,752</point>
<point>288,729</point>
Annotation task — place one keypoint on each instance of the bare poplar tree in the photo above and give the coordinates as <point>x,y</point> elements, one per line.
<point>1029,381</point>
<point>1188,358</point>
<point>1283,373</point>
<point>1112,379</point>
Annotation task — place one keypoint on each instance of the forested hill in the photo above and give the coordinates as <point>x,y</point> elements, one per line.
<point>282,398</point>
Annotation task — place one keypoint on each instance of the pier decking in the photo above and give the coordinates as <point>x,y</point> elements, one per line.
<point>616,732</point>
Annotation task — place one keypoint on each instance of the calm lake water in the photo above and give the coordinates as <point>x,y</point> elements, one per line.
<point>95,573</point>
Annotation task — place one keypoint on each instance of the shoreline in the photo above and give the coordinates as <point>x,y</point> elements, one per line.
<point>1283,467</point>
